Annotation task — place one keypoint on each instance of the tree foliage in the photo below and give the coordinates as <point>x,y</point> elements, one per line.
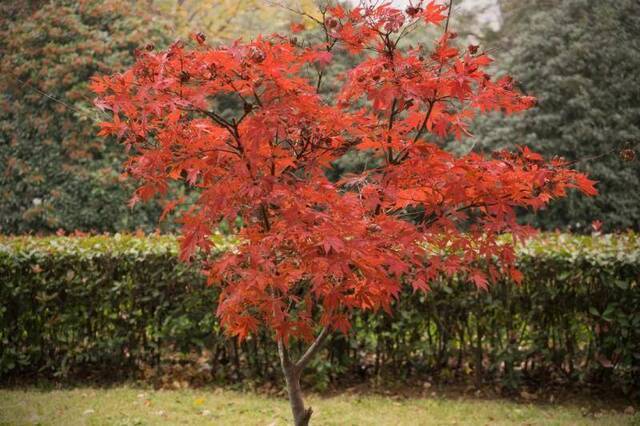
<point>580,58</point>
<point>312,251</point>
<point>55,173</point>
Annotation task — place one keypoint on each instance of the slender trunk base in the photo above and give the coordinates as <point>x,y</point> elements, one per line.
<point>301,415</point>
<point>292,372</point>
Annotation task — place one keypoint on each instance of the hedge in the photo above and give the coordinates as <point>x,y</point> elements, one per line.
<point>123,306</point>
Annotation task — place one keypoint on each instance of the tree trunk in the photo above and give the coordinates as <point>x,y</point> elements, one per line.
<point>292,372</point>
<point>301,415</point>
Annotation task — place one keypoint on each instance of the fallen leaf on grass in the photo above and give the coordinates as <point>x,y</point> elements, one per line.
<point>528,396</point>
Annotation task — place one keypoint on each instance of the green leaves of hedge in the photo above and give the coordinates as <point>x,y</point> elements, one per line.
<point>117,305</point>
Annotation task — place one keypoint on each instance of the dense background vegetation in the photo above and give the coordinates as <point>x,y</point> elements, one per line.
<point>574,320</point>
<point>56,173</point>
<point>579,57</point>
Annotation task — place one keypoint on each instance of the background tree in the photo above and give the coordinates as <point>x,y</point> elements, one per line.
<point>232,19</point>
<point>310,251</point>
<point>54,171</point>
<point>580,58</point>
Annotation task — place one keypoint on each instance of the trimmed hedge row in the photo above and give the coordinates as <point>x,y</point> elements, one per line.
<point>123,306</point>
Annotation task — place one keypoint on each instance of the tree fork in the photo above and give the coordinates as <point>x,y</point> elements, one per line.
<point>292,372</point>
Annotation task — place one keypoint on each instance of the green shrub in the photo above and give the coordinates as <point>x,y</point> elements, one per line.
<point>55,171</point>
<point>123,306</point>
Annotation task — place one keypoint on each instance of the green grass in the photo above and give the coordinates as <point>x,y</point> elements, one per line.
<point>131,406</point>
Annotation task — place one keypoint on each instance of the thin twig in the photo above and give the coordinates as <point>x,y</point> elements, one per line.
<point>46,95</point>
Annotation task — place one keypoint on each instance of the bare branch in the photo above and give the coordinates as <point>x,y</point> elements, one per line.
<point>292,10</point>
<point>313,349</point>
<point>48,96</point>
<point>285,361</point>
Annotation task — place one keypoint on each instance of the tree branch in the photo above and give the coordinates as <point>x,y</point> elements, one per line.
<point>392,116</point>
<point>423,125</point>
<point>313,349</point>
<point>285,361</point>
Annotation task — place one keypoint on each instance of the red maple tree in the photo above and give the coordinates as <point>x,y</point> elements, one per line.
<point>312,251</point>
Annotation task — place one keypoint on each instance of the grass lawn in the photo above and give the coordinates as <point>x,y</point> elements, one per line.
<point>131,406</point>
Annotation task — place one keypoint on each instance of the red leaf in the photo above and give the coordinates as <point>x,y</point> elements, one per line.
<point>296,27</point>
<point>479,279</point>
<point>433,13</point>
<point>333,243</point>
<point>585,184</point>
<point>596,225</point>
